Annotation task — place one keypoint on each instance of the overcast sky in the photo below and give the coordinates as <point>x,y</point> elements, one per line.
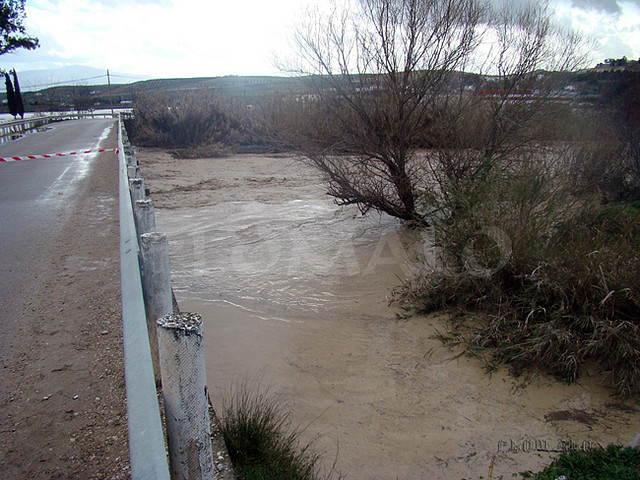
<point>186,38</point>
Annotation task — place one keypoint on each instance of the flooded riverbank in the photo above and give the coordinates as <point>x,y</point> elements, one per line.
<point>293,290</point>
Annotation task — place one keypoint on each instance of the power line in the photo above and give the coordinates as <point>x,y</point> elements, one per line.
<point>125,76</point>
<point>75,81</point>
<point>68,82</point>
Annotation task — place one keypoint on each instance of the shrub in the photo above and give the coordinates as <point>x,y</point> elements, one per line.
<point>261,441</point>
<point>549,280</point>
<point>191,124</point>
<point>613,463</point>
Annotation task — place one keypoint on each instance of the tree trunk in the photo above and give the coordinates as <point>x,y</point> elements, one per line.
<point>11,96</point>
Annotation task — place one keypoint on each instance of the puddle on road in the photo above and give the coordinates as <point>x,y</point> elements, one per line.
<point>78,168</point>
<point>293,290</point>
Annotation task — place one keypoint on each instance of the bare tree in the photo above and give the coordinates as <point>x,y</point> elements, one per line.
<point>381,70</point>
<point>390,83</point>
<point>81,98</point>
<point>529,55</point>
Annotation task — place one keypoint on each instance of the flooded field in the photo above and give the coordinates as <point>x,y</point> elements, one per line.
<point>294,292</point>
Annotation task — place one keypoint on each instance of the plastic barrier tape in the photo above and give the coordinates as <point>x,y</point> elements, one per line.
<point>52,155</point>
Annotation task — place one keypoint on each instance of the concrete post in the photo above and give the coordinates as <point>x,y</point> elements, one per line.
<point>185,399</point>
<point>144,216</point>
<point>156,287</point>
<point>137,189</point>
<point>131,159</point>
<point>133,171</point>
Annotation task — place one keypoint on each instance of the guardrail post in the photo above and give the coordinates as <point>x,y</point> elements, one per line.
<point>137,189</point>
<point>133,171</point>
<point>185,397</point>
<point>144,216</point>
<point>131,159</point>
<point>156,287</point>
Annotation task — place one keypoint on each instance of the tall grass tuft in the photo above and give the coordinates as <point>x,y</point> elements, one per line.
<point>261,441</point>
<point>536,277</point>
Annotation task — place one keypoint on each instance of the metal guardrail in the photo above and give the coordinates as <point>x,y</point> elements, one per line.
<point>15,128</point>
<point>146,440</point>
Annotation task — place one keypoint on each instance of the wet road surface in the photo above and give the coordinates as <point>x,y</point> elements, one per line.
<point>36,197</point>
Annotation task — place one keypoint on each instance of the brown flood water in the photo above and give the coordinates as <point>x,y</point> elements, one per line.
<point>293,291</point>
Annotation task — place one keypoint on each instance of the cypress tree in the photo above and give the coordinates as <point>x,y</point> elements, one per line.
<point>11,96</point>
<point>19,102</point>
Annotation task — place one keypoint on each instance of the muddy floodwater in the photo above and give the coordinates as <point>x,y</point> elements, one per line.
<point>294,292</point>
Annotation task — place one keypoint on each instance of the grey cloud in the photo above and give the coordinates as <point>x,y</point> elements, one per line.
<point>610,6</point>
<point>607,6</point>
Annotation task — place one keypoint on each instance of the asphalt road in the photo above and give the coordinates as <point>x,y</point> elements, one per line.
<point>62,397</point>
<point>36,196</point>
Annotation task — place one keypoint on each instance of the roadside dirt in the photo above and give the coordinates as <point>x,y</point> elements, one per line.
<point>62,396</point>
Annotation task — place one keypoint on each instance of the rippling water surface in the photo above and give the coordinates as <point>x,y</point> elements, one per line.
<point>288,260</point>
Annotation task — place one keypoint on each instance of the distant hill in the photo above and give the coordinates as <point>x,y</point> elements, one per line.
<point>31,80</point>
<point>228,85</point>
<point>88,92</point>
<point>93,93</point>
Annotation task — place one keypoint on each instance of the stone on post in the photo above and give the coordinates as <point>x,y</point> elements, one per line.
<point>185,397</point>
<point>144,216</point>
<point>136,186</point>
<point>156,287</point>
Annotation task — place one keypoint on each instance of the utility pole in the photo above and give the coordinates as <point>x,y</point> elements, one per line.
<point>110,96</point>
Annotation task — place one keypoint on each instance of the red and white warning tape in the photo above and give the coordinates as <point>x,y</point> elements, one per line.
<point>53,155</point>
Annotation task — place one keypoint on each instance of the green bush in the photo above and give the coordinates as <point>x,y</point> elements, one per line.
<point>535,277</point>
<point>613,463</point>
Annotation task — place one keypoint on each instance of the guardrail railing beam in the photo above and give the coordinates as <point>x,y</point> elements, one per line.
<point>15,128</point>
<point>146,440</point>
